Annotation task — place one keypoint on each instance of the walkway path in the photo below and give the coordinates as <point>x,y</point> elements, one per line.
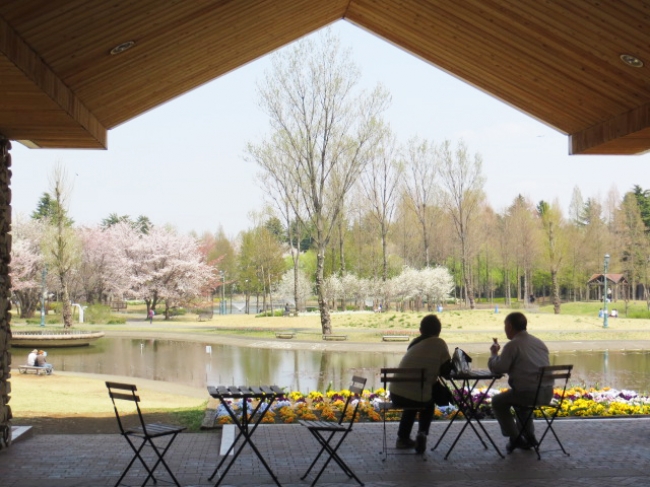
<point>604,452</point>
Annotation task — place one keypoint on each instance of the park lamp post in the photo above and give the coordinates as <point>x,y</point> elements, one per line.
<point>605,311</point>
<point>222,306</point>
<point>43,292</point>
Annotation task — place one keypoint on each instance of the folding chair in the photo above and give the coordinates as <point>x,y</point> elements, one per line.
<point>324,432</point>
<point>134,430</point>
<point>550,411</point>
<point>392,375</point>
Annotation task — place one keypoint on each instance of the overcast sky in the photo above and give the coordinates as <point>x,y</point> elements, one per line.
<point>183,162</point>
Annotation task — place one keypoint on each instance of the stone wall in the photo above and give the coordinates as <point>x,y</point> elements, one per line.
<point>5,287</point>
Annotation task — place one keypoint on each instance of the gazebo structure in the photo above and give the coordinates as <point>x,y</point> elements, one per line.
<point>70,70</point>
<point>617,286</point>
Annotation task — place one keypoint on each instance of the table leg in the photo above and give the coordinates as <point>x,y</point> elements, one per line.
<point>470,412</point>
<point>244,431</point>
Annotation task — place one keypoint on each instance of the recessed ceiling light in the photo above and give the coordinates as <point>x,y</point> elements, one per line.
<point>631,61</point>
<point>125,46</point>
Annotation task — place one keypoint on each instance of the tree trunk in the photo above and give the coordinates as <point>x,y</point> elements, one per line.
<point>66,309</point>
<point>556,292</point>
<point>325,320</point>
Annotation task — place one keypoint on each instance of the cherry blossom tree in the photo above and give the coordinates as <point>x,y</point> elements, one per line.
<point>161,266</point>
<point>27,265</point>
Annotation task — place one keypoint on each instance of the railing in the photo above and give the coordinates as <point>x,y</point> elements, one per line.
<point>45,332</point>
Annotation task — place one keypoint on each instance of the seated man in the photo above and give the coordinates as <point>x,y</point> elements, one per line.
<point>521,359</point>
<point>31,358</point>
<point>427,351</point>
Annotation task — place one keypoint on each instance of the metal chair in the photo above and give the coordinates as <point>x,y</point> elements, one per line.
<point>550,411</point>
<point>393,375</point>
<point>134,430</point>
<point>324,431</point>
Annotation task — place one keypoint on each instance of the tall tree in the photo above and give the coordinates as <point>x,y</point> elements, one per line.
<point>322,134</point>
<point>525,232</point>
<point>380,185</point>
<point>48,209</point>
<point>551,219</point>
<point>62,247</point>
<point>419,187</point>
<point>462,186</point>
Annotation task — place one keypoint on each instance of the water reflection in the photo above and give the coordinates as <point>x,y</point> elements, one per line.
<point>198,364</point>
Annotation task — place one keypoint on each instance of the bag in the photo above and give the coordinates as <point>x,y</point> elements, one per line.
<point>461,361</point>
<point>441,395</point>
<point>446,369</point>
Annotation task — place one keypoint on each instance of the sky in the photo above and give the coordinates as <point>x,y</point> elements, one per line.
<point>183,163</point>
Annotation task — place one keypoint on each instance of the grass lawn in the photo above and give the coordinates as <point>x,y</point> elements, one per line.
<point>578,321</point>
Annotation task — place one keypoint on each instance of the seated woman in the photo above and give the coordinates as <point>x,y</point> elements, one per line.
<point>41,362</point>
<point>427,351</point>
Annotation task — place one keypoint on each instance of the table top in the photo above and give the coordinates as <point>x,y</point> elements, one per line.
<point>258,392</point>
<point>476,374</point>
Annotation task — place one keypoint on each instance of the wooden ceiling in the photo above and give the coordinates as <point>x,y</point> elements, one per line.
<point>559,61</point>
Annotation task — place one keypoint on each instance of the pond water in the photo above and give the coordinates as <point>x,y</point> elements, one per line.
<point>199,364</point>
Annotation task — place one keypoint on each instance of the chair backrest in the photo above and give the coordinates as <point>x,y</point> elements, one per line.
<point>127,407</point>
<point>403,374</point>
<point>356,389</point>
<point>551,374</point>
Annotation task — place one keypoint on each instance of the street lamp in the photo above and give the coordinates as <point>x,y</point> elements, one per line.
<point>43,293</point>
<point>222,305</point>
<point>605,313</point>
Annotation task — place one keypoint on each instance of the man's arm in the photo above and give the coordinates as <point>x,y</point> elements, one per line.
<point>501,364</point>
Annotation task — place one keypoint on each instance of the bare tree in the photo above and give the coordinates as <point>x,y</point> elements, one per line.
<point>462,184</point>
<point>62,247</point>
<point>551,219</point>
<point>380,185</point>
<point>283,192</point>
<point>419,186</point>
<point>322,134</point>
<point>525,232</point>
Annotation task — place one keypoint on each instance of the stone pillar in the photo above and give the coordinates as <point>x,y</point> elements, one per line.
<point>5,288</point>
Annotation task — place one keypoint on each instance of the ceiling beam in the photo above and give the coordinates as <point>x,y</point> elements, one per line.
<point>626,134</point>
<point>37,77</point>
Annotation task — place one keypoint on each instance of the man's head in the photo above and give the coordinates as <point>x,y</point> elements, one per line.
<point>514,323</point>
<point>430,326</point>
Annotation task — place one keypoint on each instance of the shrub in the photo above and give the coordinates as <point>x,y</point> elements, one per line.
<point>97,314</point>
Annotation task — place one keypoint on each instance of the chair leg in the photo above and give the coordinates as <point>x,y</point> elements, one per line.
<point>135,456</point>
<point>549,427</point>
<point>160,459</point>
<point>334,455</point>
<point>323,444</point>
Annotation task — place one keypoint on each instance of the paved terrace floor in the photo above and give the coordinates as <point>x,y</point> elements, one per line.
<point>603,452</point>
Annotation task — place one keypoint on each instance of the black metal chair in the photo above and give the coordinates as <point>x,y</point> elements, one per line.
<point>324,431</point>
<point>135,430</point>
<point>549,412</point>
<point>393,375</point>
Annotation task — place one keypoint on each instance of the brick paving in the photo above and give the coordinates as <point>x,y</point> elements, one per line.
<point>604,452</point>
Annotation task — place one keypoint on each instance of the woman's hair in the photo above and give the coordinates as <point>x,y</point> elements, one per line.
<point>430,325</point>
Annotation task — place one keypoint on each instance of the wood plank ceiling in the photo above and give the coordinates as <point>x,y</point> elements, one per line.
<point>557,60</point>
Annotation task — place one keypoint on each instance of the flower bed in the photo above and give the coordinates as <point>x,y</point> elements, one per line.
<point>294,405</point>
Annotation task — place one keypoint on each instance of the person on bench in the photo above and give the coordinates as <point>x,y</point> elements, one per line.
<point>427,351</point>
<point>41,362</point>
<point>31,358</point>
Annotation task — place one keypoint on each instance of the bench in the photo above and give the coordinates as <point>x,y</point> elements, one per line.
<point>23,369</point>
<point>284,334</point>
<point>118,305</point>
<point>335,337</point>
<point>204,316</point>
<point>396,338</point>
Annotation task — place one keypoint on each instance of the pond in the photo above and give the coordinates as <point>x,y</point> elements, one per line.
<point>199,364</point>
